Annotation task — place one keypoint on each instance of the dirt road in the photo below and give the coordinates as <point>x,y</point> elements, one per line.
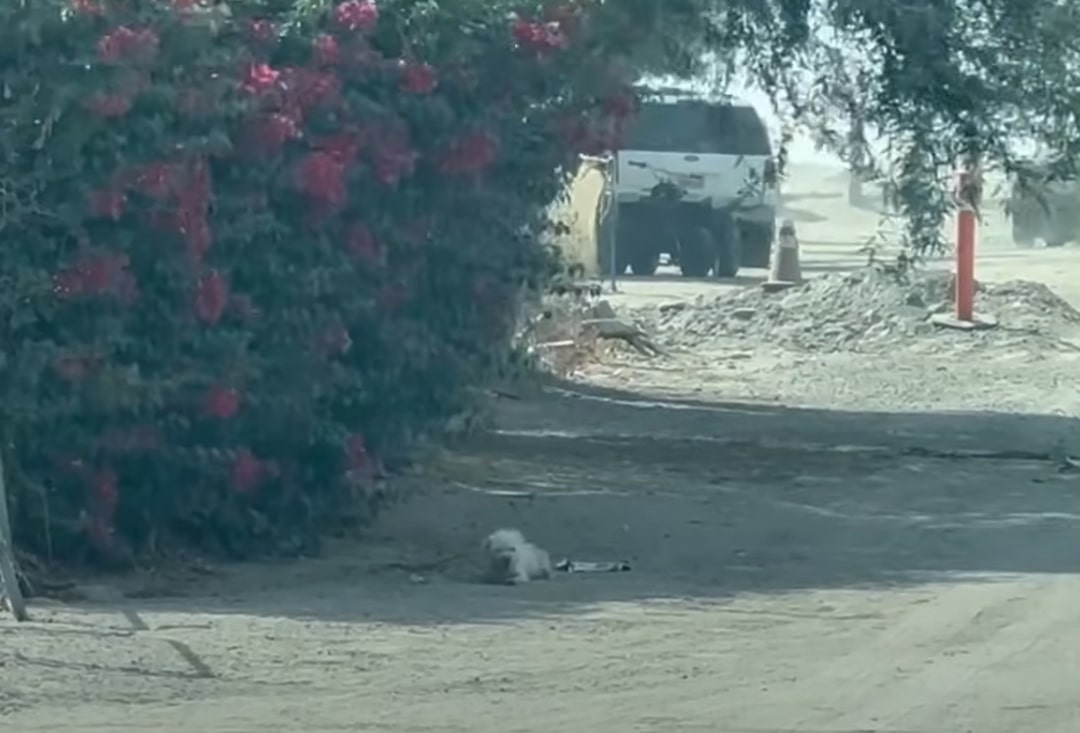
<point>794,570</point>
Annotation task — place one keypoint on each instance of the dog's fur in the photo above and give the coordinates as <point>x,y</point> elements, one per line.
<point>514,559</point>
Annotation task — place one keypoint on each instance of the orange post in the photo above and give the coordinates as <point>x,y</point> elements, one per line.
<point>967,198</point>
<point>965,265</point>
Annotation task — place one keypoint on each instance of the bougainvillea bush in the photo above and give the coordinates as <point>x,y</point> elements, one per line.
<point>252,250</point>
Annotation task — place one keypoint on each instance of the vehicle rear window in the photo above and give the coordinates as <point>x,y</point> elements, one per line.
<point>697,127</point>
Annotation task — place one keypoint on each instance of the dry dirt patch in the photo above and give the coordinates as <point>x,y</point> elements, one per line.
<point>776,588</point>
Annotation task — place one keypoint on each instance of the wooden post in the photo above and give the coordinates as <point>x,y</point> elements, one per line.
<point>9,579</point>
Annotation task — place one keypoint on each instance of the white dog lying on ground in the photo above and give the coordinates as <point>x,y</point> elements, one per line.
<point>513,559</point>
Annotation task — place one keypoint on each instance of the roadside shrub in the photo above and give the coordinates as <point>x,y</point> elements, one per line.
<point>252,251</point>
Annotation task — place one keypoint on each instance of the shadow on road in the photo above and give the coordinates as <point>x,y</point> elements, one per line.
<point>705,500</point>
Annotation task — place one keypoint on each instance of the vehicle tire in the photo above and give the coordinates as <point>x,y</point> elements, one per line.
<point>644,257</point>
<point>604,229</point>
<point>728,248</point>
<point>757,242</point>
<point>697,252</point>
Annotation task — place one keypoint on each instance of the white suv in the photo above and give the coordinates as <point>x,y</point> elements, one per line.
<point>696,179</point>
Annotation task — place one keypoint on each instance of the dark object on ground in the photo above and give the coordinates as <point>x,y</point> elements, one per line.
<point>1046,210</point>
<point>581,566</point>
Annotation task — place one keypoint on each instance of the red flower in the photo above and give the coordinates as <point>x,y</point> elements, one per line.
<point>124,43</point>
<point>307,88</point>
<point>470,154</point>
<point>247,472</point>
<point>221,402</point>
<point>260,78</point>
<point>106,488</point>
<point>538,37</point>
<point>327,52</point>
<point>357,15</point>
<point>343,146</point>
<point>108,106</point>
<point>211,297</point>
<point>418,78</point>
<point>185,5</point>
<point>108,203</point>
<point>87,7</point>
<point>322,177</point>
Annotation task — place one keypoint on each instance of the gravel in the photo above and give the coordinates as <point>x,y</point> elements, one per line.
<point>868,311</point>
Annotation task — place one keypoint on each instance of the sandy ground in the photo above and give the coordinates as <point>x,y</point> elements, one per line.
<point>870,561</point>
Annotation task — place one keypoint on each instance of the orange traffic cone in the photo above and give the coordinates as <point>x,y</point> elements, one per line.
<point>785,270</point>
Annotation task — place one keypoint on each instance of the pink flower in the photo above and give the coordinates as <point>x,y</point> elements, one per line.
<point>357,15</point>
<point>538,37</point>
<point>260,78</point>
<point>87,7</point>
<point>221,402</point>
<point>211,297</point>
<point>106,488</point>
<point>322,177</point>
<point>418,78</point>
<point>327,52</point>
<point>307,88</point>
<point>247,472</point>
<point>342,146</point>
<point>97,275</point>
<point>124,43</point>
<point>470,154</point>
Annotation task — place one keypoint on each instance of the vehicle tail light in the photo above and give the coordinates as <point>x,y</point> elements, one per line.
<point>771,174</point>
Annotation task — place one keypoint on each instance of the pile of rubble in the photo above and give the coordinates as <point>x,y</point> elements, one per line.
<point>867,310</point>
